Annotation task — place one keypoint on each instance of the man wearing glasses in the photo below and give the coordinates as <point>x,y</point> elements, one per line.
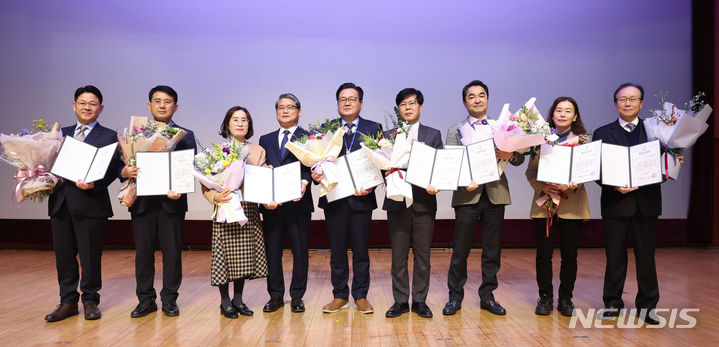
<point>350,219</point>
<point>160,218</point>
<point>291,218</point>
<point>78,215</point>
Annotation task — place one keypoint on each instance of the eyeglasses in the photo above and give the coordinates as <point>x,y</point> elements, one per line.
<point>411,104</point>
<point>351,100</point>
<point>287,107</point>
<point>239,121</point>
<point>158,102</point>
<point>632,100</point>
<point>83,104</point>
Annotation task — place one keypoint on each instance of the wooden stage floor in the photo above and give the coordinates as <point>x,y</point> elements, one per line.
<point>688,278</point>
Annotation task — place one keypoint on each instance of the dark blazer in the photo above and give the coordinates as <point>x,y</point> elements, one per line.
<point>646,200</point>
<point>422,201</point>
<point>169,205</point>
<point>93,202</point>
<point>274,157</point>
<point>369,201</point>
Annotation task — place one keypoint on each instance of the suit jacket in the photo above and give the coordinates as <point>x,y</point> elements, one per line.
<point>274,157</point>
<point>575,206</point>
<point>369,201</point>
<point>93,202</point>
<point>497,191</point>
<point>255,157</point>
<point>647,200</point>
<point>169,205</point>
<point>422,201</point>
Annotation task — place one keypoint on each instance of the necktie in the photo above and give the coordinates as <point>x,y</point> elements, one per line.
<point>630,126</point>
<point>81,133</point>
<point>283,150</point>
<point>349,127</point>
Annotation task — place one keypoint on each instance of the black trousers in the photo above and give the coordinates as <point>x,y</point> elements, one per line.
<point>466,218</point>
<point>616,230</point>
<point>296,224</point>
<point>155,226</point>
<point>74,235</point>
<point>568,230</point>
<point>345,225</point>
<point>409,227</point>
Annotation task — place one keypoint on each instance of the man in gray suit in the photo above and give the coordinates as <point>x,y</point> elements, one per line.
<point>486,203</point>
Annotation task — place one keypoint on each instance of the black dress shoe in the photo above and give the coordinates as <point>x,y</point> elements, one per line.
<point>397,309</point>
<point>274,304</point>
<point>144,308</point>
<point>610,312</point>
<point>451,307</point>
<point>545,305</point>
<point>493,306</point>
<point>566,307</point>
<point>297,305</point>
<point>648,316</point>
<point>228,311</point>
<point>243,309</point>
<point>421,309</point>
<point>170,309</point>
<point>61,312</point>
<point>92,312</point>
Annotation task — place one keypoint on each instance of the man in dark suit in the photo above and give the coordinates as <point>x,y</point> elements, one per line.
<point>413,224</point>
<point>625,208</point>
<point>292,217</point>
<point>78,215</point>
<point>160,218</point>
<point>350,219</point>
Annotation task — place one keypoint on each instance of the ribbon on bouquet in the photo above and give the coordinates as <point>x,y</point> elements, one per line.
<point>397,188</point>
<point>230,212</point>
<point>667,152</point>
<point>23,175</point>
<point>551,204</point>
<point>330,179</point>
<point>393,170</point>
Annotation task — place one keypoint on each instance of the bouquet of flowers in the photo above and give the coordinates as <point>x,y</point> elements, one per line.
<point>319,149</point>
<point>390,152</point>
<point>521,130</point>
<point>677,129</point>
<point>144,135</point>
<point>33,152</point>
<point>222,167</point>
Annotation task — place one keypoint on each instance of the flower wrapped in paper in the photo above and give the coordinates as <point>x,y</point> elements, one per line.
<point>144,135</point>
<point>677,129</point>
<point>319,149</point>
<point>390,153</point>
<point>33,152</point>
<point>221,167</point>
<point>522,130</point>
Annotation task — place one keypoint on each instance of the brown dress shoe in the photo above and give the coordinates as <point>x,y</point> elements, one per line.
<point>335,305</point>
<point>92,312</point>
<point>63,311</point>
<point>363,306</point>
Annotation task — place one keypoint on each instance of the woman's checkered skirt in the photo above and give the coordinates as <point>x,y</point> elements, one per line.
<point>238,251</point>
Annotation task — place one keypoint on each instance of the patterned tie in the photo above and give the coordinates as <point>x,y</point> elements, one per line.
<point>81,133</point>
<point>283,150</point>
<point>349,127</point>
<point>630,127</point>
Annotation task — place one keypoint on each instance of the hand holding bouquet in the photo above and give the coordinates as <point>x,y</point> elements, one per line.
<point>222,167</point>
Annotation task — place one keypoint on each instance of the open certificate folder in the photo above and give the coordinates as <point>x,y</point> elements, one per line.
<point>78,160</point>
<point>160,172</point>
<point>564,164</point>
<point>264,185</point>
<point>438,167</point>
<point>354,170</point>
<point>635,166</point>
<point>479,163</point>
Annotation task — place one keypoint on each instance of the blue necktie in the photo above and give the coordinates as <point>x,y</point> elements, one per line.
<point>283,150</point>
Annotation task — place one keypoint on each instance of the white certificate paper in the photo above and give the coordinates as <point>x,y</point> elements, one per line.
<point>483,162</point>
<point>565,164</point>
<point>634,166</point>
<point>264,185</point>
<point>160,172</point>
<point>78,160</point>
<point>438,167</point>
<point>354,170</point>
<point>586,162</point>
<point>465,177</point>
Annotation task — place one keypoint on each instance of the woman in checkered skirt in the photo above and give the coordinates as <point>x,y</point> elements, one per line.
<point>238,252</point>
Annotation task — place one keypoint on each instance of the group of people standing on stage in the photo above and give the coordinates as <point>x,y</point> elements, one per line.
<point>79,215</point>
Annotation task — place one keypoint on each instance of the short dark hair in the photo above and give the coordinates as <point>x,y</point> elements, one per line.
<point>629,84</point>
<point>88,89</point>
<point>225,127</point>
<point>347,85</point>
<point>577,125</point>
<point>406,93</point>
<point>472,84</point>
<point>288,96</point>
<point>165,89</point>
